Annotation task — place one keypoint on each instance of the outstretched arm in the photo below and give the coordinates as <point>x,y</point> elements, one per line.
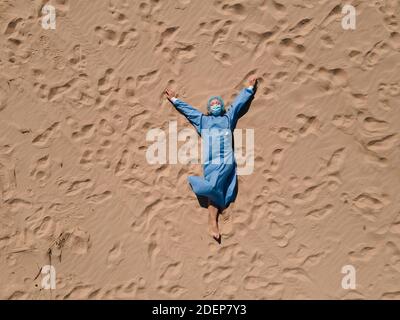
<point>193,115</point>
<point>241,102</point>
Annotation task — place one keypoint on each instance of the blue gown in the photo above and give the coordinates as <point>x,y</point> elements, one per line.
<point>219,185</point>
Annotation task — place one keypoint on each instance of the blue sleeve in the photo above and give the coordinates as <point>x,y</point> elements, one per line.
<point>193,115</point>
<point>239,105</point>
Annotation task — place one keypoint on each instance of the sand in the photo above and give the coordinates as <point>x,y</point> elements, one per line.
<point>77,192</point>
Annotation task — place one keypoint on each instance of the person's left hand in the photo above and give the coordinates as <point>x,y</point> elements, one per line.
<point>253,80</point>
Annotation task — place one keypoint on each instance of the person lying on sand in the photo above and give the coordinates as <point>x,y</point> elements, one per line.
<point>219,187</point>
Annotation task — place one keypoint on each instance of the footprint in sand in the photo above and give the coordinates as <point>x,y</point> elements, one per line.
<point>302,28</point>
<point>81,292</point>
<point>132,289</point>
<point>374,55</point>
<point>305,73</point>
<point>344,121</point>
<point>45,138</point>
<point>8,182</point>
<point>218,39</point>
<point>44,227</point>
<point>255,38</point>
<point>310,194</point>
<point>17,44</point>
<point>217,30</point>
<point>255,282</point>
<point>84,133</point>
<point>310,125</point>
<point>362,253</point>
<point>174,51</point>
<point>79,187</point>
<point>99,197</point>
<point>226,225</point>
<point>77,59</point>
<point>292,47</point>
<point>105,128</point>
<point>115,255</point>
<point>179,53</point>
<point>79,242</point>
<point>286,134</point>
<point>369,204</point>
<point>87,159</point>
<point>393,255</point>
<point>335,14</point>
<point>387,95</point>
<point>148,79</point>
<point>170,272</point>
<point>41,170</point>
<point>117,9</point>
<point>281,232</point>
<point>122,163</point>
<point>114,36</point>
<point>279,208</point>
<point>235,9</point>
<point>222,57</point>
<point>385,143</point>
<point>327,41</point>
<point>108,83</point>
<point>277,156</point>
<point>330,172</point>
<point>147,9</point>
<point>320,213</point>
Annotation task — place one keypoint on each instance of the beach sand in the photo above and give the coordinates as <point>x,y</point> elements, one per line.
<point>77,191</point>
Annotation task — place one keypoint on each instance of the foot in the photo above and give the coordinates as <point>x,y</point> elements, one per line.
<point>213,228</point>
<point>217,238</point>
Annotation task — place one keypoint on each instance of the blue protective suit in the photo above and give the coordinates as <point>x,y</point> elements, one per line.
<point>219,185</point>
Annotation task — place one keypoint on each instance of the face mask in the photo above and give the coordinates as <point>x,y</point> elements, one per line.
<point>216,110</point>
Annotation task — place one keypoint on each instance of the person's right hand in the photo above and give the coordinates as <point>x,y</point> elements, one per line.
<point>170,93</point>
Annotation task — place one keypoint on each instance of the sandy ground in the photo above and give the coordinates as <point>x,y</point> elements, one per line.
<point>76,190</point>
